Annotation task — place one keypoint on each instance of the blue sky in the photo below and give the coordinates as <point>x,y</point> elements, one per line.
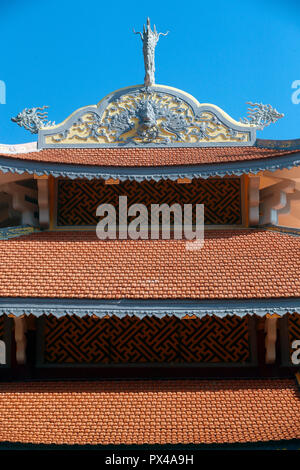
<point>70,53</point>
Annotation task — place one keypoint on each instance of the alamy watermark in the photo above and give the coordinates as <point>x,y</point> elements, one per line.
<point>296,94</point>
<point>295,358</point>
<point>166,222</point>
<point>2,92</point>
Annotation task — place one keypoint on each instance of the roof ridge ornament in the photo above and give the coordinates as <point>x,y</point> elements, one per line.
<point>150,39</point>
<point>147,116</point>
<point>32,119</point>
<point>261,115</point>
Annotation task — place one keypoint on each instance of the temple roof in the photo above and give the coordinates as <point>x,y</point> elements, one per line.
<point>150,163</point>
<point>165,412</point>
<point>148,115</point>
<point>232,264</point>
<point>140,157</point>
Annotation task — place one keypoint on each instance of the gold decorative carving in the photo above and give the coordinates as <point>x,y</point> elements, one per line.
<point>143,117</point>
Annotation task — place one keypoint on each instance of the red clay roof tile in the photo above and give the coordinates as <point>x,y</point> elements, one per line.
<point>131,157</point>
<point>244,263</point>
<point>143,412</point>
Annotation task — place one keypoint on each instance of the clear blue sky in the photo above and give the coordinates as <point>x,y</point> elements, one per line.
<point>71,53</point>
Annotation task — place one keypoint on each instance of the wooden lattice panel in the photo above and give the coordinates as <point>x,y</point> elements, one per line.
<point>79,199</point>
<point>215,340</point>
<point>75,340</point>
<point>150,340</point>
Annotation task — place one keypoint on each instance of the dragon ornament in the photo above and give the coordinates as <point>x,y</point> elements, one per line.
<point>33,119</point>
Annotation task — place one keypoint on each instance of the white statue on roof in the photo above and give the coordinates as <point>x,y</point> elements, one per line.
<point>150,39</point>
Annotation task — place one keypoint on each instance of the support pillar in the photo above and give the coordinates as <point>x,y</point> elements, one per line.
<point>271,338</point>
<point>20,338</point>
<point>43,201</point>
<point>253,198</point>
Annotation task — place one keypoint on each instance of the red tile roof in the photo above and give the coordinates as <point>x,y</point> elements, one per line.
<point>232,264</point>
<point>130,157</point>
<point>150,412</point>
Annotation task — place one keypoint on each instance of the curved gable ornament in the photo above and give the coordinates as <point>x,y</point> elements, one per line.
<point>153,116</point>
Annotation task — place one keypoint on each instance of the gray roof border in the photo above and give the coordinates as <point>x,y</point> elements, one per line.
<point>19,166</point>
<point>142,308</point>
<point>291,144</point>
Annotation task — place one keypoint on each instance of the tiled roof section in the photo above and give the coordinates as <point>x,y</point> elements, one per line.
<point>132,157</point>
<point>232,264</point>
<point>150,412</point>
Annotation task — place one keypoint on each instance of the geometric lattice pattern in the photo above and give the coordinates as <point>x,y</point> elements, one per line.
<point>79,199</point>
<point>294,329</point>
<point>112,340</point>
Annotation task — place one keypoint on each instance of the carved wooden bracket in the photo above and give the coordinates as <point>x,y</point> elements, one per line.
<point>112,181</point>
<point>273,198</point>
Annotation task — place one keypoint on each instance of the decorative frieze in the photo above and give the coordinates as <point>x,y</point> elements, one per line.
<point>147,116</point>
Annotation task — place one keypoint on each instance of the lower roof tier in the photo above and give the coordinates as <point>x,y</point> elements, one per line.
<point>232,264</point>
<point>150,412</point>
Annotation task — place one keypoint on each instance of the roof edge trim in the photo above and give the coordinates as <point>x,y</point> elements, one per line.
<point>291,144</point>
<point>19,166</point>
<point>142,308</point>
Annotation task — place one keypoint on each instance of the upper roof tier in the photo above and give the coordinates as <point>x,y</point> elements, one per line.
<point>152,119</point>
<point>148,115</point>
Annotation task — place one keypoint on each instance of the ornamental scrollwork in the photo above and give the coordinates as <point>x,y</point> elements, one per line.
<point>146,116</point>
<point>33,119</point>
<point>84,129</point>
<point>261,115</point>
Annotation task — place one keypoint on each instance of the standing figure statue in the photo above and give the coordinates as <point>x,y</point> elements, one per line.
<point>150,39</point>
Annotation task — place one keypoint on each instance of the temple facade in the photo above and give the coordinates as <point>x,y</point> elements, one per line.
<point>156,339</point>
